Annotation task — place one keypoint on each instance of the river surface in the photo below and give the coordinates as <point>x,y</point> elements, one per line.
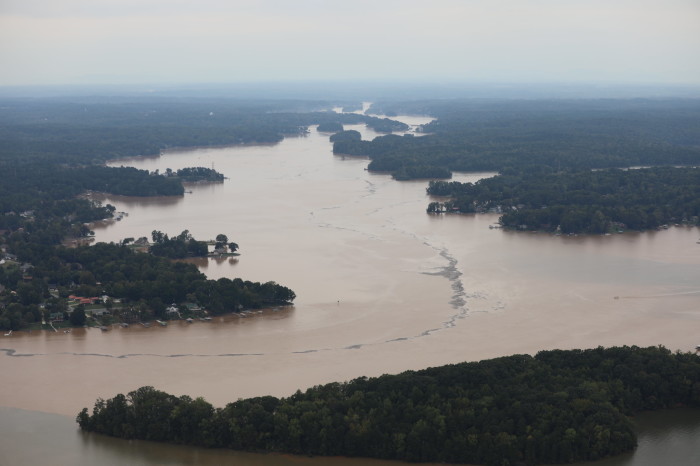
<point>382,286</point>
<point>29,438</point>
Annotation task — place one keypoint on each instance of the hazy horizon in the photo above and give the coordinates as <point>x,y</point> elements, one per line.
<point>128,42</point>
<point>354,91</point>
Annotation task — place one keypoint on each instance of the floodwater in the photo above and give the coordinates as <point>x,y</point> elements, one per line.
<point>28,438</point>
<point>382,286</point>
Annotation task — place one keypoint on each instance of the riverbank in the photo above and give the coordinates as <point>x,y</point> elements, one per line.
<point>188,317</point>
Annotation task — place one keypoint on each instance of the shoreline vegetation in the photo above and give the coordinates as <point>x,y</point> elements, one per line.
<point>564,165</point>
<point>558,406</point>
<point>53,153</point>
<point>595,202</point>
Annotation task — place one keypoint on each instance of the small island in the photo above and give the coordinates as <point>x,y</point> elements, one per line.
<point>197,174</point>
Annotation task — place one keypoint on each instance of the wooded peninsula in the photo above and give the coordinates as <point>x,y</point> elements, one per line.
<point>556,160</point>
<point>600,201</point>
<point>556,407</point>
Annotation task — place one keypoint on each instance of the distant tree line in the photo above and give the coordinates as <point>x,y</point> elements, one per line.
<point>95,130</point>
<point>556,407</point>
<point>599,201</point>
<point>529,136</point>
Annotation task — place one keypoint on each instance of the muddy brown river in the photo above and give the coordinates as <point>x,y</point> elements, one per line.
<point>382,286</point>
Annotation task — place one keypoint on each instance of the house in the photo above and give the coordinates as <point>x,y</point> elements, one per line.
<point>172,309</point>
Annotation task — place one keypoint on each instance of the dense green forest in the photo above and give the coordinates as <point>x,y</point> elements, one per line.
<point>599,201</point>
<point>544,152</point>
<point>144,283</point>
<point>525,135</point>
<point>556,407</point>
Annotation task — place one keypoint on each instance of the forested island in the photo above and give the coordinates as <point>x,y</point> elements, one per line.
<point>196,174</point>
<point>556,407</point>
<point>599,201</point>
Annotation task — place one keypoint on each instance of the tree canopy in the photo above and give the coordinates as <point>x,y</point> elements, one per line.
<point>556,407</point>
<point>508,135</point>
<point>599,201</point>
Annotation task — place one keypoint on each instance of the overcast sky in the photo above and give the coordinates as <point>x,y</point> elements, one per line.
<point>220,41</point>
